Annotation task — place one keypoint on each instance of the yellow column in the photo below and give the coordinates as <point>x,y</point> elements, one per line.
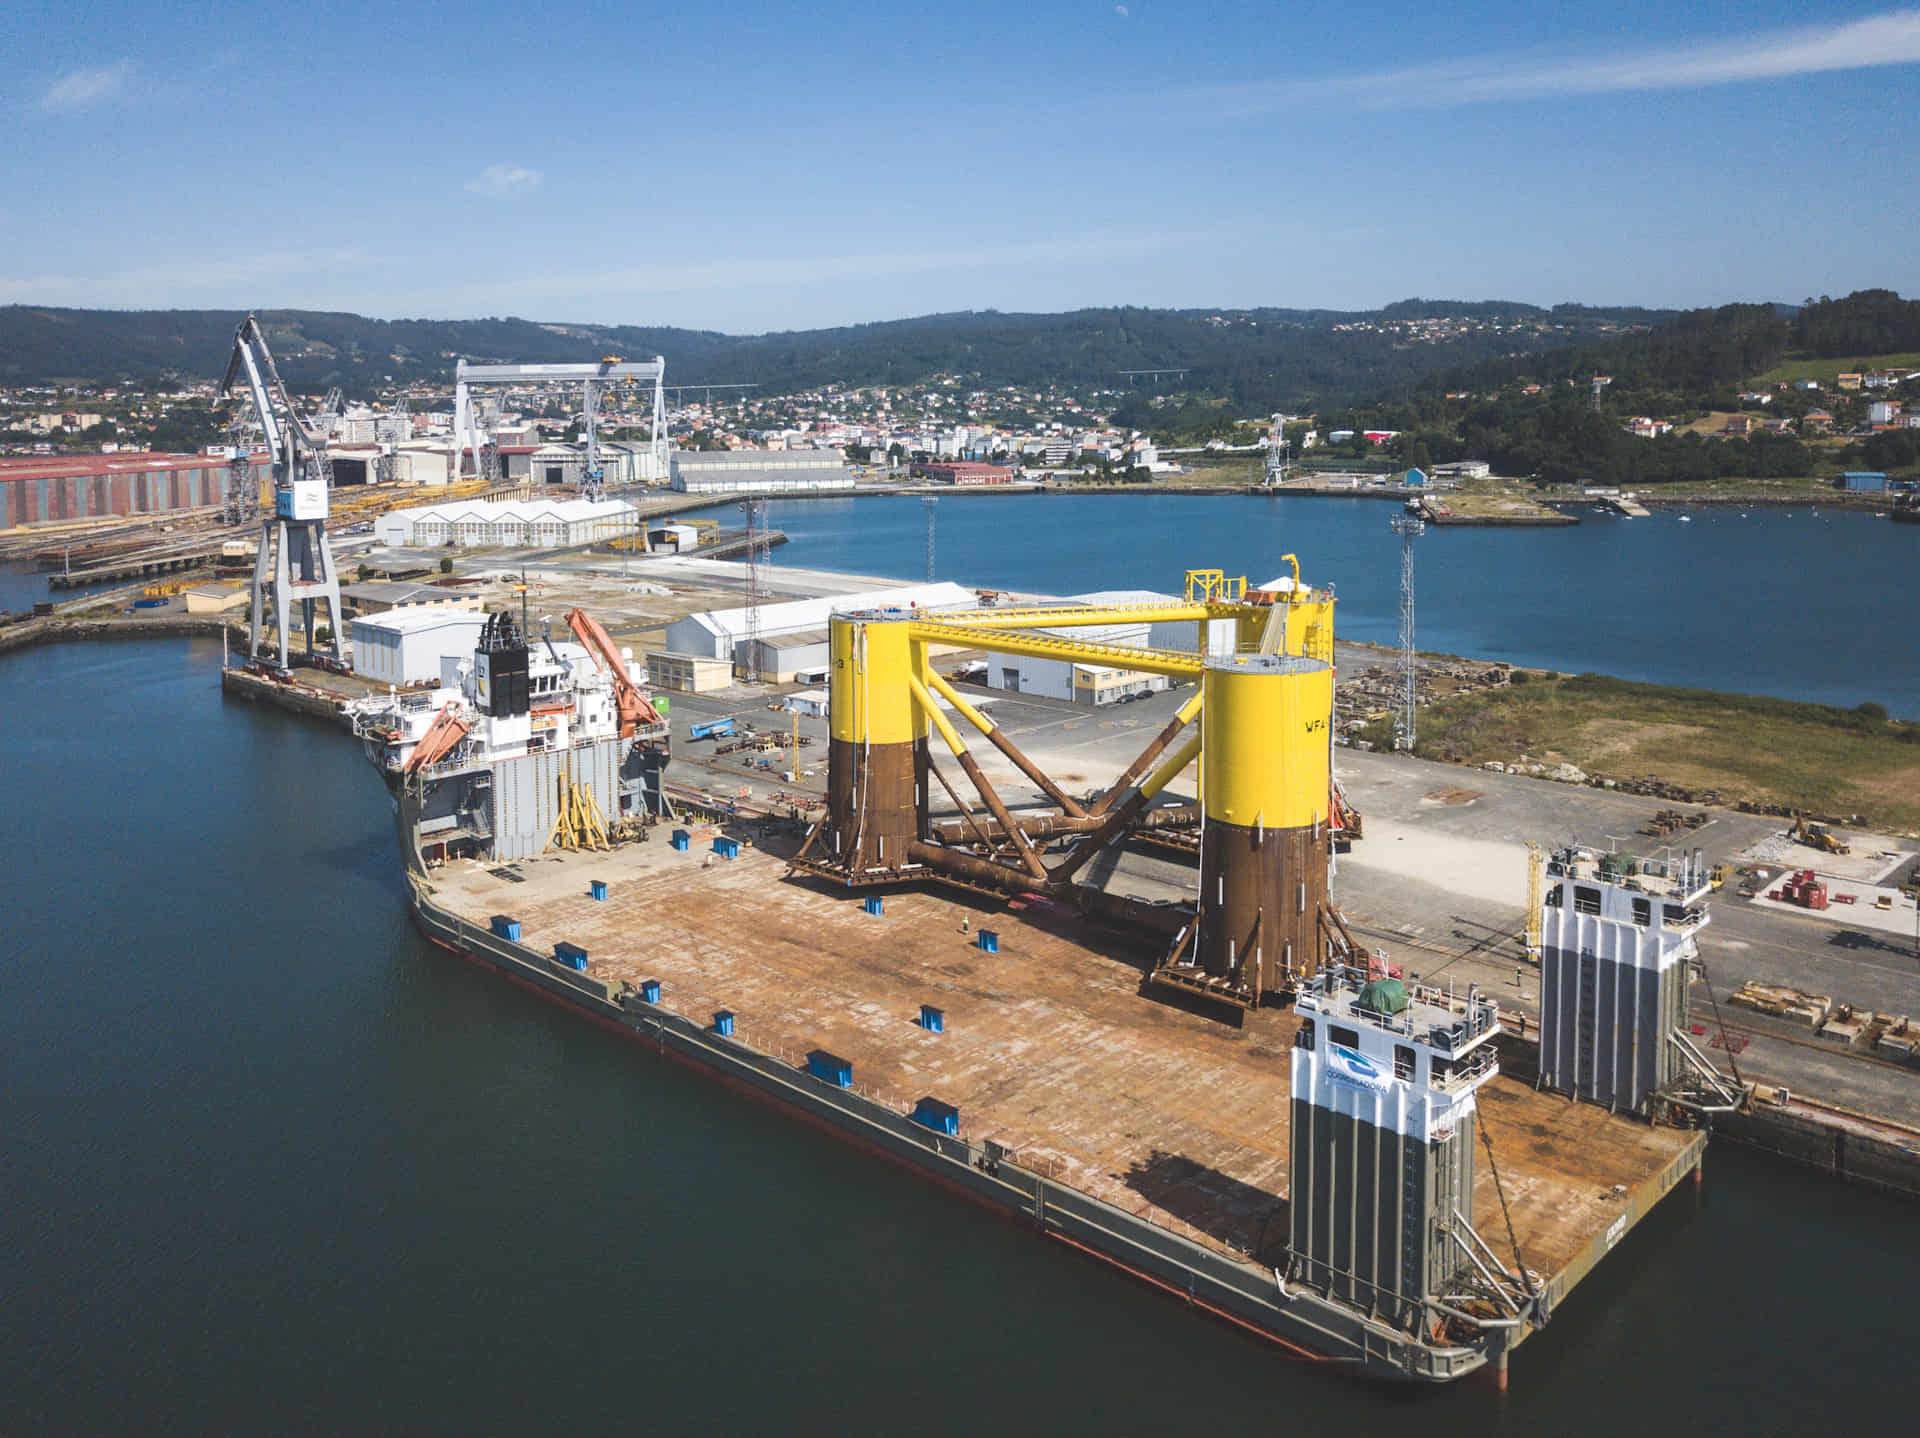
<point>870,699</point>
<point>1265,721</point>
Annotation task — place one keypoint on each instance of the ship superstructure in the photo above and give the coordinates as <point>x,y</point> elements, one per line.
<point>515,735</point>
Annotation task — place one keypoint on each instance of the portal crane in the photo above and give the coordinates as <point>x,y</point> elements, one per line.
<point>294,561</point>
<point>638,718</point>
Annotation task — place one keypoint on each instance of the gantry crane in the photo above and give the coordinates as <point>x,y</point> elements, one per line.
<point>295,561</point>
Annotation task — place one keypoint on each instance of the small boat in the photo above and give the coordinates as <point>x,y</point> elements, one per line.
<point>1686,519</point>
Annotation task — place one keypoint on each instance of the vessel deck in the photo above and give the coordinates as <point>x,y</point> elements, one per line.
<point>1051,1048</point>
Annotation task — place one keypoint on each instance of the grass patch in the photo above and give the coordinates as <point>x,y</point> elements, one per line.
<point>1770,751</point>
<point>1825,370</point>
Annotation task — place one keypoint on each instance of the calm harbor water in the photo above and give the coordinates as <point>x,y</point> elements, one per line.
<point>274,1164</point>
<point>1800,603</point>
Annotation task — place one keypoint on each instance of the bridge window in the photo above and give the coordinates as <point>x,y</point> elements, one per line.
<point>1586,900</point>
<point>1643,912</point>
<point>1403,1061</point>
<point>1349,1038</point>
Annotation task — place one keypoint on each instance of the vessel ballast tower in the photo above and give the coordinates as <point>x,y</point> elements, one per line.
<point>877,744</point>
<point>295,562</point>
<point>1264,786</point>
<point>1384,1127</point>
<point>1617,944</point>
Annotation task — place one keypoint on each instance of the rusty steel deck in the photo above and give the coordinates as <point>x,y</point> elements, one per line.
<point>1052,1046</point>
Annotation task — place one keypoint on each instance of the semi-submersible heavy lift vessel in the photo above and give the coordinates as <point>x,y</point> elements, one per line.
<point>1294,1142</point>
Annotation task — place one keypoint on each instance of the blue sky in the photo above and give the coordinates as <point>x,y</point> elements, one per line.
<point>756,166</point>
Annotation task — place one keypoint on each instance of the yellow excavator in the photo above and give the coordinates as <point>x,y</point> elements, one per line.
<point>1817,836</point>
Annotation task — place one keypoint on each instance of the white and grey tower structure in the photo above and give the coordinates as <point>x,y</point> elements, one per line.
<point>1384,1082</point>
<point>1617,941</point>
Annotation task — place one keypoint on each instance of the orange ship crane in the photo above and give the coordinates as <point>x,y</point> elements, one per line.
<point>636,713</point>
<point>446,731</point>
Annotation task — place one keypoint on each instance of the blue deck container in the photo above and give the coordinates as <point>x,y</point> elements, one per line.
<point>597,888</point>
<point>933,1020</point>
<point>572,955</point>
<point>506,928</point>
<point>723,1023</point>
<point>872,904</point>
<point>830,1068</point>
<point>940,1117</point>
<point>681,840</point>
<point>726,848</point>
<point>989,941</point>
<point>650,991</point>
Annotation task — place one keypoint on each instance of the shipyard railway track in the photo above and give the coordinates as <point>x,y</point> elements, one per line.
<point>1486,948</point>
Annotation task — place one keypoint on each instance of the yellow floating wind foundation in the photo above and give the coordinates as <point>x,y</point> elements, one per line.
<point>1259,725</point>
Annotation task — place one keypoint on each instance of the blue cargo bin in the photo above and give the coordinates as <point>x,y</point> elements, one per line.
<point>726,848</point>
<point>933,1020</point>
<point>681,840</point>
<point>506,928</point>
<point>723,1023</point>
<point>830,1068</point>
<point>871,904</point>
<point>989,941</point>
<point>597,888</point>
<point>572,955</point>
<point>940,1117</point>
<point>650,991</point>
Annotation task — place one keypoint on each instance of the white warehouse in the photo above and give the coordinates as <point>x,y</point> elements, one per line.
<point>1099,684</point>
<point>405,646</point>
<point>512,523</point>
<point>755,471</point>
<point>717,633</point>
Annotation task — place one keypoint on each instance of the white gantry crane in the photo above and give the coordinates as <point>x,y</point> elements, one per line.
<point>595,377</point>
<point>295,562</point>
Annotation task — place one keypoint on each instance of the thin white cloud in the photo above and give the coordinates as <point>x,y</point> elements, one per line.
<point>234,280</point>
<point>782,271</point>
<point>497,180</point>
<point>1121,11</point>
<point>1880,40</point>
<point>87,86</point>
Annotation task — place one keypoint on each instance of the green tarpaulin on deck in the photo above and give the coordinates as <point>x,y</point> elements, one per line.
<point>1384,996</point>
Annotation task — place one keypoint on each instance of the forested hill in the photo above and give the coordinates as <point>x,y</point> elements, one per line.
<point>1703,351</point>
<point>1537,414</point>
<point>1253,360</point>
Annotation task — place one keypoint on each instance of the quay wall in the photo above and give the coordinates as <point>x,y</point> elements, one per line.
<point>1889,1163</point>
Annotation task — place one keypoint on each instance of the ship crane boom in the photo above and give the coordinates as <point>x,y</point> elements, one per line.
<point>637,714</point>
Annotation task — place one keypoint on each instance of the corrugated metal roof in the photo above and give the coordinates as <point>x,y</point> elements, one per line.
<point>799,639</point>
<point>83,465</point>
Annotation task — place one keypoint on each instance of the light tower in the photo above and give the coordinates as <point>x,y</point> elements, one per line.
<point>928,502</point>
<point>1409,527</point>
<point>1278,458</point>
<point>750,668</point>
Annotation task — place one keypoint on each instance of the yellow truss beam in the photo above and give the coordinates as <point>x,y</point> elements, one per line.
<point>1052,646</point>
